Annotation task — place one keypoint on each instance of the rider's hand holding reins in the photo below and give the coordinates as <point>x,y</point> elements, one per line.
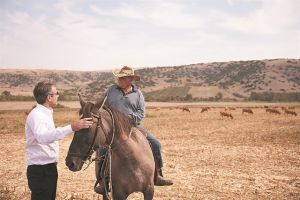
<point>81,123</point>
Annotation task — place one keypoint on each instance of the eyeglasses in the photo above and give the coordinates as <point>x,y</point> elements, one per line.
<point>53,93</point>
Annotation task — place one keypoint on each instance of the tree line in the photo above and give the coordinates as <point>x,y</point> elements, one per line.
<point>275,96</point>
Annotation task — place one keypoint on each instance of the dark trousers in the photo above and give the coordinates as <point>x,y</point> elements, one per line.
<point>42,181</point>
<point>155,144</point>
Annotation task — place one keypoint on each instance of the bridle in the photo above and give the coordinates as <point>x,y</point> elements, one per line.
<point>93,147</point>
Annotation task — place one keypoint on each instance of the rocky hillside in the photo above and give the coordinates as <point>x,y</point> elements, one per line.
<point>234,80</point>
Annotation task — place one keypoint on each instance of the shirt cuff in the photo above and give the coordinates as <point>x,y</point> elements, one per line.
<point>68,129</point>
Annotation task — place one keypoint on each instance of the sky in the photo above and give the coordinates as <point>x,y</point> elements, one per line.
<point>107,34</point>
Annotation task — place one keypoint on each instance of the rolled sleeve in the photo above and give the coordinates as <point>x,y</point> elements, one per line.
<point>139,114</point>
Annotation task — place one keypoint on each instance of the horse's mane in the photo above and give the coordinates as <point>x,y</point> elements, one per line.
<point>122,122</point>
<point>87,109</point>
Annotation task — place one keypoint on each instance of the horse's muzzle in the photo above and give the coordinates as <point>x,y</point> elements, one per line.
<point>74,163</point>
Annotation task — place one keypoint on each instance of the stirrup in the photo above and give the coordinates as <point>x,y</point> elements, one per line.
<point>100,188</point>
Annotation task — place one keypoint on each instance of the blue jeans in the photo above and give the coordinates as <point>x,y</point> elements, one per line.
<point>156,146</point>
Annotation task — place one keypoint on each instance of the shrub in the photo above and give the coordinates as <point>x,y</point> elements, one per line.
<point>273,96</point>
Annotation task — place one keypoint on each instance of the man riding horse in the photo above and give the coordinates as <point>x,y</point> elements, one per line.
<point>129,100</point>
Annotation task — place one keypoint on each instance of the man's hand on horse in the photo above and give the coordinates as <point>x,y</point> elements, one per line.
<point>82,123</point>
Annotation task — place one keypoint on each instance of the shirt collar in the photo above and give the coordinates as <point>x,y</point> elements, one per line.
<point>134,88</point>
<point>44,109</point>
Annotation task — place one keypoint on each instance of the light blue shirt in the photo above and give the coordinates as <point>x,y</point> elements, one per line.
<point>132,103</point>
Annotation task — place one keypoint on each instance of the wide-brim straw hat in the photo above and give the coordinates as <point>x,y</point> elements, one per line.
<point>125,71</point>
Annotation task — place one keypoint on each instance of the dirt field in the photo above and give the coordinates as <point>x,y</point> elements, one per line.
<point>208,157</point>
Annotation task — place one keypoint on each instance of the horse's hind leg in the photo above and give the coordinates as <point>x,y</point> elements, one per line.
<point>148,193</point>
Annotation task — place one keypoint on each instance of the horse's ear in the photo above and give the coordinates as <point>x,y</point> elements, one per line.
<point>82,103</point>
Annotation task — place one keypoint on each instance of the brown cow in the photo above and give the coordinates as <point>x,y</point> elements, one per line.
<point>204,109</point>
<point>272,110</point>
<point>290,112</point>
<point>225,114</point>
<point>283,108</point>
<point>247,110</point>
<point>186,109</point>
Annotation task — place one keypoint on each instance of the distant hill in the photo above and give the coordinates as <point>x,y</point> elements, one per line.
<point>236,80</point>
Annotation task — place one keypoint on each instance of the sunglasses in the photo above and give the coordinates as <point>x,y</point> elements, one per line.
<point>53,93</point>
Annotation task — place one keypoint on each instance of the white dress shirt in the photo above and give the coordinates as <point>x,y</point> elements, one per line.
<point>42,136</point>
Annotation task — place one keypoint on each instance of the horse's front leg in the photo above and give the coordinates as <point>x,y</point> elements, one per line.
<point>149,193</point>
<point>120,196</point>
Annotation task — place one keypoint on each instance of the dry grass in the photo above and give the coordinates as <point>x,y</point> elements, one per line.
<point>250,157</point>
<point>27,105</point>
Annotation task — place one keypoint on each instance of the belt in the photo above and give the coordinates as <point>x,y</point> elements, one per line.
<point>46,165</point>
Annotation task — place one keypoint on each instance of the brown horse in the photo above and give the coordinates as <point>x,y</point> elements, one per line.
<point>132,164</point>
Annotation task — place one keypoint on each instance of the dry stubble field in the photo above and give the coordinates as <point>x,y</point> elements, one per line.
<point>250,157</point>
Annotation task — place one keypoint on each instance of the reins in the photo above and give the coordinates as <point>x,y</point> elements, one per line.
<point>92,148</point>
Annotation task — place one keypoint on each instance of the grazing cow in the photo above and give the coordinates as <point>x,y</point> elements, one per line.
<point>283,108</point>
<point>247,110</point>
<point>266,106</point>
<point>291,107</point>
<point>186,109</point>
<point>272,110</point>
<point>226,114</point>
<point>231,108</point>
<point>204,109</point>
<point>290,112</point>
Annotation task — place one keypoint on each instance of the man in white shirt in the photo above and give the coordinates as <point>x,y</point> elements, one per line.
<point>42,149</point>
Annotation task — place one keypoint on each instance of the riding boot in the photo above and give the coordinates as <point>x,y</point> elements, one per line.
<point>159,180</point>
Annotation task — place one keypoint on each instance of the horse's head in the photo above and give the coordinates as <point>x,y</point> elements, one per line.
<point>85,141</point>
